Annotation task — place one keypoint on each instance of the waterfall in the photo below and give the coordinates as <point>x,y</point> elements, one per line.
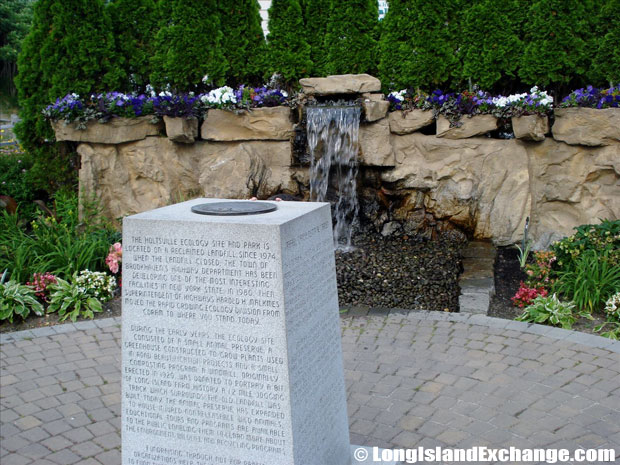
<point>333,142</point>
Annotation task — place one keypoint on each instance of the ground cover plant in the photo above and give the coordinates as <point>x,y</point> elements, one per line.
<point>577,278</point>
<point>57,261</point>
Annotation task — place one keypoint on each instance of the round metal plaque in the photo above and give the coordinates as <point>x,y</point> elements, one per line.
<point>233,208</point>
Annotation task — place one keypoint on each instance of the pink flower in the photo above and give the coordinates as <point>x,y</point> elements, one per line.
<point>115,256</point>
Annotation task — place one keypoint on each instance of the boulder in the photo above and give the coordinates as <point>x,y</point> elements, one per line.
<point>530,127</point>
<point>183,130</point>
<point>115,131</point>
<point>340,84</point>
<point>587,126</point>
<point>479,184</point>
<point>373,96</point>
<point>375,147</point>
<point>270,123</point>
<point>155,172</point>
<point>406,122</point>
<point>571,185</point>
<point>477,125</point>
<point>139,176</point>
<point>248,169</point>
<point>375,110</point>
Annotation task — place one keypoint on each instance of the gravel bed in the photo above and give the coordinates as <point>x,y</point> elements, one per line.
<point>399,273</point>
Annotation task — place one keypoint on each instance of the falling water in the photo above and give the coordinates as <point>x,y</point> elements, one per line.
<point>333,141</point>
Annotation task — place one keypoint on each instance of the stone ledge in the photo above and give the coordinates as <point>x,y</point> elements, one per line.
<point>115,131</point>
<point>587,126</point>
<point>402,122</point>
<point>477,125</point>
<point>270,123</point>
<point>340,84</point>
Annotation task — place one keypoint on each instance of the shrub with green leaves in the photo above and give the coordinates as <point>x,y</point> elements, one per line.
<point>62,244</point>
<point>134,23</point>
<point>188,45</point>
<point>316,16</point>
<point>288,52</point>
<point>70,48</point>
<point>71,300</point>
<point>18,299</point>
<point>549,310</point>
<point>558,35</point>
<point>491,42</point>
<point>604,238</point>
<point>591,281</point>
<point>418,44</point>
<point>16,181</point>
<point>243,42</point>
<point>351,37</point>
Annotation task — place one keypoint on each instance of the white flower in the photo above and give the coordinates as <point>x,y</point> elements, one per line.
<point>219,96</point>
<point>400,95</point>
<point>205,79</point>
<point>150,90</point>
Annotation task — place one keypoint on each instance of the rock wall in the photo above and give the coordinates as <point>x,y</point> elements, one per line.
<point>410,182</point>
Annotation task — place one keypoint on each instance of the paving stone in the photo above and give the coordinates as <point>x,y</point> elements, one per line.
<point>472,379</point>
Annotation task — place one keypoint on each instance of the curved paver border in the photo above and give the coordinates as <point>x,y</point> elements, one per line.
<point>589,340</point>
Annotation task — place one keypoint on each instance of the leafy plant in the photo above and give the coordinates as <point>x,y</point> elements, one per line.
<point>98,284</point>
<point>539,273</point>
<point>71,300</point>
<point>188,45</point>
<point>612,325</point>
<point>525,295</point>
<point>549,310</point>
<point>524,253</point>
<point>288,52</point>
<point>602,238</point>
<point>590,282</point>
<point>351,37</point>
<point>61,244</point>
<point>18,299</point>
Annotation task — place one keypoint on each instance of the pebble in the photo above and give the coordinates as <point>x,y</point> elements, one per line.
<point>399,272</point>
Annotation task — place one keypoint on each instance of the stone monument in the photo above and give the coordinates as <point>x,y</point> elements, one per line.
<point>231,338</point>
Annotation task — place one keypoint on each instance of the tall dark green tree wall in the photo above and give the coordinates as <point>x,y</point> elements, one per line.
<point>316,16</point>
<point>188,45</point>
<point>395,47</point>
<point>606,63</point>
<point>287,48</point>
<point>491,42</point>
<point>418,44</point>
<point>557,36</point>
<point>243,42</point>
<point>70,48</point>
<point>351,39</point>
<point>15,19</point>
<point>134,24</point>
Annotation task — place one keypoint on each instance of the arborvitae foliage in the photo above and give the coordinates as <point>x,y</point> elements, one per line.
<point>316,17</point>
<point>418,46</point>
<point>134,23</point>
<point>351,37</point>
<point>557,35</point>
<point>491,45</point>
<point>395,47</point>
<point>606,69</point>
<point>287,48</point>
<point>69,48</point>
<point>188,45</point>
<point>243,42</point>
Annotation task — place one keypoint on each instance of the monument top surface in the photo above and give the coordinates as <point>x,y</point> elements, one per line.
<point>285,212</point>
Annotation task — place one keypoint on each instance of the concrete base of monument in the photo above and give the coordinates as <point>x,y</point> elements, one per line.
<point>367,455</point>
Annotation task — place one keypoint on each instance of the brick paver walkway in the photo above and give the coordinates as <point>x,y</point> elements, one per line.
<point>417,379</point>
